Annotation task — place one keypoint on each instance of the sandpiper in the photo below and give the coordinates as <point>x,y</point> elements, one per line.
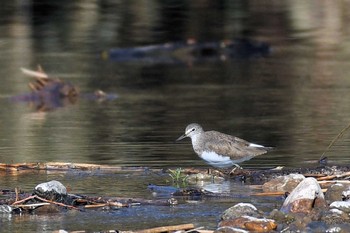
<point>219,149</point>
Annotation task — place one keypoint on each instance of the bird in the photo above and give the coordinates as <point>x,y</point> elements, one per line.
<point>221,150</point>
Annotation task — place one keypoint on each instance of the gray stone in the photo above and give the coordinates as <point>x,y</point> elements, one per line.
<point>52,186</point>
<point>341,205</point>
<point>335,192</point>
<point>339,228</point>
<point>334,216</point>
<point>5,209</point>
<point>283,183</point>
<point>239,210</point>
<point>230,230</point>
<point>305,197</point>
<point>346,194</point>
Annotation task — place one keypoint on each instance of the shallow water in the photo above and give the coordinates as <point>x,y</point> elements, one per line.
<point>297,99</point>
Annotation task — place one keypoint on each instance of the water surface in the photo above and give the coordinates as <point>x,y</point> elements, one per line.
<point>297,99</point>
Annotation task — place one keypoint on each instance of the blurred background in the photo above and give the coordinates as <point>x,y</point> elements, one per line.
<point>293,94</point>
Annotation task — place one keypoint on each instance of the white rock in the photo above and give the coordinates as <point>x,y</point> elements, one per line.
<point>334,230</point>
<point>308,189</point>
<point>242,204</point>
<point>50,186</point>
<point>341,205</point>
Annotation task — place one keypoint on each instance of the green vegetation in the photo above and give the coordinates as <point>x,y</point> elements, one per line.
<point>179,179</point>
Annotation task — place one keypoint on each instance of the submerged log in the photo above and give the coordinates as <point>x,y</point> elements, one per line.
<point>48,93</point>
<point>62,166</point>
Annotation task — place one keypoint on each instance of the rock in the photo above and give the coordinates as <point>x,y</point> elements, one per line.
<point>239,210</point>
<point>52,190</point>
<point>47,209</point>
<point>5,209</point>
<point>50,186</point>
<point>250,223</point>
<point>278,216</point>
<point>341,228</point>
<point>194,178</point>
<point>316,226</point>
<point>341,205</point>
<point>306,197</point>
<point>335,192</point>
<point>260,225</point>
<point>230,230</point>
<point>283,183</point>
<point>334,216</point>
<point>346,194</point>
<point>234,222</point>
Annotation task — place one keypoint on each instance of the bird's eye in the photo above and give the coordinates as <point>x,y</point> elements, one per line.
<point>193,129</point>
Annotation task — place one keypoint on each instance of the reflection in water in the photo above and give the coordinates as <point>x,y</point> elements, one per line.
<point>296,99</point>
<point>276,100</point>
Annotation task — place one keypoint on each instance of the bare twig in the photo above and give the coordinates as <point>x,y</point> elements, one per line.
<point>23,200</point>
<point>33,73</point>
<point>56,203</point>
<point>16,191</point>
<point>335,139</point>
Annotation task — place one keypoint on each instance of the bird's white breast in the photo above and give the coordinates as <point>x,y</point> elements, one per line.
<point>222,161</point>
<point>214,157</point>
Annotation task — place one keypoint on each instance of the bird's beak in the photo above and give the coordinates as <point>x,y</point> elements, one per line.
<point>181,137</point>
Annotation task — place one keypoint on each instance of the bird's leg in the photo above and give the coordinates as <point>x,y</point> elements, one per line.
<point>234,169</point>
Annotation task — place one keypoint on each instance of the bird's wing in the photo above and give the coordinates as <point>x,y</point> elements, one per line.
<point>232,146</point>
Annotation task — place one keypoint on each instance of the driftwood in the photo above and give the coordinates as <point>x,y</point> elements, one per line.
<point>167,228</point>
<point>188,227</point>
<point>15,204</point>
<point>61,166</point>
<point>332,177</point>
<point>44,82</point>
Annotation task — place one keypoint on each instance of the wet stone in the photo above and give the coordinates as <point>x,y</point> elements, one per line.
<point>335,192</point>
<point>341,205</point>
<point>239,210</point>
<point>334,216</point>
<point>283,183</point>
<point>52,190</point>
<point>47,209</point>
<point>5,209</point>
<point>250,223</point>
<point>306,197</point>
<point>194,178</point>
<point>230,230</point>
<point>346,194</point>
<point>340,228</point>
<point>316,226</point>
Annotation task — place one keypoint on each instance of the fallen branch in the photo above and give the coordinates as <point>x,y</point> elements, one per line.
<point>16,203</point>
<point>23,200</point>
<point>56,203</point>
<point>334,182</point>
<point>62,166</point>
<point>269,194</point>
<point>16,191</point>
<point>331,177</point>
<point>167,228</point>
<point>32,206</point>
<point>115,204</point>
